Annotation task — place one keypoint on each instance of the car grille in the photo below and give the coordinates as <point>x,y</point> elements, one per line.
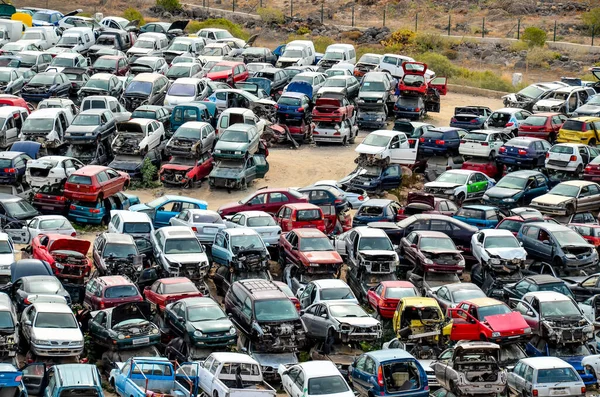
<point>558,163</point>
<point>379,267</point>
<point>55,343</point>
<point>371,100</point>
<point>436,190</point>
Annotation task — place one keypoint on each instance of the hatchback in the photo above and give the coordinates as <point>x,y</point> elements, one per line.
<point>299,216</point>
<point>542,125</point>
<point>545,376</point>
<point>482,216</point>
<point>527,152</point>
<point>94,182</point>
<point>110,291</point>
<point>482,143</point>
<point>377,210</point>
<point>441,140</point>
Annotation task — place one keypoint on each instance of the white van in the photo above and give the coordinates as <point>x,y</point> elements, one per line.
<point>49,124</point>
<point>10,31</point>
<point>42,36</point>
<point>148,44</point>
<point>297,53</point>
<point>337,53</point>
<point>11,122</point>
<point>233,116</point>
<point>392,64</point>
<point>79,39</point>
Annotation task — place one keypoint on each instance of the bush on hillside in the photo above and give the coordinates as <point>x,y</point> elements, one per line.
<point>540,57</point>
<point>535,37</point>
<point>169,5</point>
<point>220,23</point>
<point>133,14</point>
<point>401,38</point>
<point>271,15</point>
<point>425,42</point>
<point>592,19</point>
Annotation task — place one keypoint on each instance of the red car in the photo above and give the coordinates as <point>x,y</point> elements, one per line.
<point>169,290</point>
<point>94,182</point>
<point>186,171</point>
<point>384,297</point>
<point>591,172</point>
<point>514,223</point>
<point>425,203</point>
<point>309,249</point>
<point>13,100</point>
<point>110,291</point>
<point>229,72</point>
<point>332,109</point>
<point>487,319</point>
<point>542,125</point>
<point>431,251</point>
<point>590,232</point>
<point>490,168</point>
<point>299,216</point>
<point>413,81</point>
<point>50,199</point>
<point>113,64</point>
<point>66,255</point>
<point>267,200</point>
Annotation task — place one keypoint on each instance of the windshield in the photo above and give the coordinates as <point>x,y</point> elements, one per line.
<point>369,59</point>
<point>289,101</point>
<point>212,51</point>
<point>6,320</point>
<point>309,215</point>
<point>501,242</point>
<point>465,294</point>
<point>292,54</point>
<point>188,132</point>
<point>179,47</point>
<point>535,121</point>
<point>179,89</point>
<point>62,62</point>
<point>5,248</point>
<point>69,40</point>
<point>144,114</point>
<point>44,286</point>
<point>234,136</point>
<point>376,140</point>
<point>437,243</point>
<point>119,250</point>
<point>511,182</point>
<point>373,86</point>
<point>148,44</point>
<point>18,209</point>
<point>333,56</point>
<point>306,79</point>
<point>176,71</point>
<point>42,79</point>
<point>55,320</point>
<point>569,350</point>
<point>493,310</point>
<point>565,190</point>
<point>375,243</point>
<point>205,313</point>
<point>87,120</point>
<point>220,68</point>
<point>329,294</point>
<point>5,76</point>
<point>97,83</point>
<point>564,308</point>
<point>322,385</point>
<point>182,246</point>
<point>399,292</point>
<point>137,227</point>
<point>121,291</point>
<point>595,100</point>
<point>34,124</point>
<point>308,244</point>
<point>334,83</point>
<point>453,177</point>
<point>105,63</point>
<point>179,287</point>
<point>275,310</point>
<point>347,311</point>
<point>531,92</point>
<point>246,242</point>
<point>260,221</point>
<point>41,16</point>
<point>139,88</point>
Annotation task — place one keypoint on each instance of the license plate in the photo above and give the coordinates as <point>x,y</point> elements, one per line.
<point>488,386</point>
<point>46,207</point>
<point>140,341</point>
<point>558,392</point>
<point>211,230</point>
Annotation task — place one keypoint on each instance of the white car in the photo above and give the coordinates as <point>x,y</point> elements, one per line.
<point>148,133</point>
<point>325,290</point>
<point>130,222</point>
<point>212,35</point>
<point>344,132</point>
<point>259,221</point>
<point>233,116</point>
<point>49,170</point>
<point>106,102</point>
<point>482,143</point>
<point>460,185</point>
<point>179,70</point>
<point>383,144</point>
<point>60,103</point>
<point>54,224</point>
<point>214,52</point>
<point>205,223</point>
<point>255,67</point>
<point>186,89</point>
<point>51,330</point>
<point>178,251</point>
<point>313,378</point>
<point>570,157</point>
<point>495,246</point>
<point>243,98</point>
<point>7,257</point>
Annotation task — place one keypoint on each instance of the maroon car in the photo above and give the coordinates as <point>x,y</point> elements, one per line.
<point>267,200</point>
<point>542,125</point>
<point>113,64</point>
<point>110,291</point>
<point>489,167</point>
<point>425,203</point>
<point>431,251</point>
<point>50,200</point>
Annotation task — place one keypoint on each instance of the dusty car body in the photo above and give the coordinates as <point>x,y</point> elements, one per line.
<point>432,251</point>
<point>472,370</point>
<point>66,255</point>
<point>420,319</point>
<point>191,139</point>
<point>138,136</point>
<point>232,174</point>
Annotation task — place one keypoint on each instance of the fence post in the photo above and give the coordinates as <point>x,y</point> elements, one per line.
<point>291,8</point>
<point>384,11</point>
<point>449,24</point>
<point>519,29</point>
<point>233,5</point>
<point>593,31</point>
<point>483,28</point>
<point>554,39</point>
<point>416,22</point>
<point>353,4</point>
<point>322,6</point>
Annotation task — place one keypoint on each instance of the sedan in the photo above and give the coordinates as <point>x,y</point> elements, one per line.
<point>525,152</point>
<point>28,290</point>
<point>205,223</point>
<point>50,170</point>
<point>450,295</point>
<point>259,221</point>
<point>568,198</point>
<point>90,126</point>
<point>55,224</point>
<point>10,81</point>
<point>45,85</point>
<point>102,84</point>
<point>259,54</point>
<point>149,65</point>
<point>542,125</point>
<point>355,200</point>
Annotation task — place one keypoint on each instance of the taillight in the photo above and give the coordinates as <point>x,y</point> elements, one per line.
<point>421,140</point>
<point>474,121</point>
<point>417,109</point>
<point>61,198</point>
<point>337,133</point>
<point>360,198</point>
<point>101,305</point>
<point>37,196</point>
<point>440,142</point>
<point>74,234</point>
<point>502,149</point>
<point>583,127</point>
<point>583,390</point>
<point>94,210</point>
<point>338,201</point>
<point>10,170</point>
<point>18,378</point>
<point>276,106</point>
<point>573,158</point>
<point>72,207</point>
<point>534,393</point>
<point>522,152</point>
<point>509,124</point>
<point>300,109</point>
<point>195,229</point>
<point>27,301</point>
<point>401,211</point>
<point>453,120</point>
<point>547,154</point>
<point>463,141</point>
<point>315,132</point>
<point>485,144</point>
<point>380,376</point>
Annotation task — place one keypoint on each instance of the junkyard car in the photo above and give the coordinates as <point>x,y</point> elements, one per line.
<point>65,254</point>
<point>238,175</point>
<point>431,251</point>
<point>138,136</point>
<point>523,152</point>
<point>460,185</point>
<point>92,182</point>
<point>498,249</point>
<point>9,333</point>
<point>239,141</point>
<point>420,319</point>
<point>306,248</point>
<point>472,370</point>
<point>50,170</point>
<point>482,143</point>
<point>45,85</point>
<point>550,374</point>
<point>470,117</point>
<point>109,291</point>
<point>91,126</point>
<point>529,95</point>
<point>191,139</point>
<point>568,198</point>
<point>115,253</point>
<point>384,297</point>
<point>146,89</point>
<point>102,84</point>
<point>517,188</point>
<point>169,290</point>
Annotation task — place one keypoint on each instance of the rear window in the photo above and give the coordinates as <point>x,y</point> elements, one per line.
<point>574,125</point>
<point>433,134</point>
<point>207,218</point>
<point>289,101</point>
<point>471,213</point>
<point>523,143</point>
<point>87,204</point>
<point>475,136</point>
<point>367,210</point>
<point>513,226</point>
<point>5,163</point>
<point>121,291</point>
<point>308,215</point>
<point>535,121</point>
<point>80,179</point>
<point>260,221</point>
<point>401,376</point>
<point>555,375</point>
<point>561,149</point>
<point>136,227</point>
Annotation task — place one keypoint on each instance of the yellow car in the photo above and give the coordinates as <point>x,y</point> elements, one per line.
<point>418,318</point>
<point>580,130</point>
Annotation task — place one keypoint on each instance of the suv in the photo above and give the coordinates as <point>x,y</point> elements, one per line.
<point>265,314</point>
<point>109,291</point>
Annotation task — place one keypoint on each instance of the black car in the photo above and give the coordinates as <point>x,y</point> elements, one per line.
<point>278,78</point>
<point>91,154</point>
<point>264,313</point>
<point>584,287</point>
<point>460,232</point>
<point>146,89</point>
<point>91,125</point>
<point>78,77</point>
<point>132,164</point>
<point>26,290</point>
<point>259,54</point>
<point>14,209</point>
<point>46,85</point>
<point>539,282</point>
<point>325,196</point>
<point>10,81</point>
<point>101,84</point>
<point>154,112</point>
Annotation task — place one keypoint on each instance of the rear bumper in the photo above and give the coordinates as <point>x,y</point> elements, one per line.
<point>94,219</point>
<point>467,126</point>
<point>515,160</point>
<point>329,138</point>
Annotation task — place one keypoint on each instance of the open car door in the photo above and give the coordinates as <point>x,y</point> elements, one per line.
<point>440,84</point>
<point>178,25</point>
<point>35,378</point>
<point>74,12</point>
<point>262,166</point>
<point>251,41</point>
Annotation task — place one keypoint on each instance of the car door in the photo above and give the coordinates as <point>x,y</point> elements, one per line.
<point>529,312</point>
<point>289,378</point>
<point>374,294</point>
<point>410,247</point>
<point>167,211</point>
<point>11,130</point>
<point>587,288</point>
<point>464,325</point>
<point>358,375</point>
<point>307,296</point>
<point>391,177</point>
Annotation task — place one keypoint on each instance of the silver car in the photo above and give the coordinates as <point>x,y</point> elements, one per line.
<point>344,321</point>
<point>205,223</point>
<point>547,376</point>
<point>355,199</point>
<point>259,221</point>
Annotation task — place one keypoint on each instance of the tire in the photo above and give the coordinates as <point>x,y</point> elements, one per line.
<point>552,138</point>
<point>460,199</point>
<point>592,142</point>
<point>126,185</point>
<point>492,155</point>
<point>345,141</point>
<point>570,210</point>
<point>244,185</point>
<point>352,139</point>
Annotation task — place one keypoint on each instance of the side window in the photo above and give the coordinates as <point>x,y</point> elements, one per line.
<point>529,374</point>
<point>247,308</point>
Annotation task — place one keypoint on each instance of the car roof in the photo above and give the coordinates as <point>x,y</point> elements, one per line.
<point>254,214</point>
<point>199,301</point>
<point>45,113</point>
<point>543,279</point>
<point>330,283</point>
<point>131,216</point>
<point>365,231</point>
<point>319,368</point>
<point>240,231</point>
<point>9,154</point>
<point>302,206</point>
<point>309,233</point>
<point>177,231</point>
<point>479,207</point>
<point>497,232</point>
<point>94,111</point>
<point>234,358</point>
<point>578,183</point>
<point>118,238</point>
<point>377,202</point>
<point>420,301</point>
<point>188,80</point>
<point>482,302</point>
<point>262,289</point>
<point>545,362</point>
<point>524,173</point>
<point>389,133</point>
<point>90,170</point>
<point>240,127</point>
<point>52,307</point>
<point>174,280</point>
<point>551,227</point>
<point>548,296</point>
<point>110,281</point>
<point>389,354</point>
<point>445,129</point>
<point>432,233</point>
<point>461,286</point>
<point>147,77</point>
<point>508,110</point>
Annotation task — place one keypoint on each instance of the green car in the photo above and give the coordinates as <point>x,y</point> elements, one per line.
<point>239,141</point>
<point>236,174</point>
<point>200,322</point>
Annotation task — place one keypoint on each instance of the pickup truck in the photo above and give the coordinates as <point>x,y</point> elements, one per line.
<point>143,376</point>
<point>233,375</point>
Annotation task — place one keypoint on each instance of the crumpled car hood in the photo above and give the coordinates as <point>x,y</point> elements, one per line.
<point>508,253</point>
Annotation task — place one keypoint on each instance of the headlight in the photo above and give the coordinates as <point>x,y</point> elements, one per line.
<point>563,204</point>
<point>428,261</point>
<point>535,107</point>
<point>76,343</point>
<point>380,101</point>
<point>40,342</point>
<point>231,331</point>
<point>461,263</point>
<point>570,256</point>
<point>198,334</point>
<point>494,261</point>
<point>450,191</point>
<point>238,152</point>
<point>121,336</point>
<point>509,200</point>
<point>486,197</point>
<point>361,100</point>
<point>154,331</point>
<point>495,334</point>
<point>527,331</point>
<point>217,150</point>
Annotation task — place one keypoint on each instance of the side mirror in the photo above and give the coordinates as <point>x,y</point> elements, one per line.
<point>530,313</point>
<point>28,323</point>
<point>300,291</point>
<point>546,242</point>
<point>161,208</point>
<point>324,315</point>
<point>147,288</point>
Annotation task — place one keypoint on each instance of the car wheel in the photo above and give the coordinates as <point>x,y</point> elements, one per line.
<point>492,155</point>
<point>460,199</point>
<point>570,209</point>
<point>345,141</point>
<point>352,138</point>
<point>579,171</point>
<point>243,185</point>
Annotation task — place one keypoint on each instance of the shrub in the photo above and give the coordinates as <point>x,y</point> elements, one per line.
<point>518,46</point>
<point>450,54</point>
<point>302,30</point>
<point>438,63</point>
<point>352,35</point>
<point>540,57</point>
<point>169,5</point>
<point>429,42</point>
<point>592,19</point>
<point>534,37</point>
<point>271,15</point>
<point>133,14</point>
<point>404,38</point>
<point>221,23</point>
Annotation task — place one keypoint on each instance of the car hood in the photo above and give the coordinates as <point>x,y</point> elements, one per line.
<point>136,50</point>
<point>219,75</point>
<point>139,207</point>
<point>213,325</point>
<point>227,173</point>
<point>441,184</point>
<point>287,59</point>
<point>502,192</point>
<point>338,90</point>
<point>186,258</point>
<point>368,149</point>
<point>371,94</point>
<point>549,102</point>
<point>132,310</point>
<point>506,322</point>
<point>70,244</point>
<point>222,145</point>
<point>508,253</point>
<point>551,199</point>
<point>6,259</point>
<point>358,321</point>
<point>588,109</point>
<point>323,257</point>
<point>82,128</point>
<point>58,334</point>
<point>126,165</point>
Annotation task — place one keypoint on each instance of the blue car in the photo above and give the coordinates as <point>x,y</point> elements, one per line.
<point>293,106</point>
<point>481,216</point>
<point>230,242</point>
<point>441,140</point>
<point>371,374</point>
<point>470,117</point>
<point>12,167</point>
<point>97,213</point>
<point>11,381</point>
<point>517,189</point>
<point>376,210</point>
<point>409,107</point>
<point>523,152</point>
<point>373,179</point>
<point>46,85</point>
<point>571,353</point>
<point>162,209</point>
<point>46,18</point>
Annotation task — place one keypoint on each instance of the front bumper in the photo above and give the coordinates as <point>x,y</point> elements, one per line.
<point>137,342</point>
<point>56,350</point>
<point>359,336</point>
<point>549,209</point>
<point>223,339</point>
